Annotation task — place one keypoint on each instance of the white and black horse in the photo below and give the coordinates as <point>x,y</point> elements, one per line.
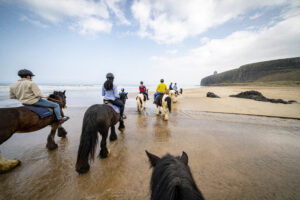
<point>173,95</point>
<point>141,102</point>
<point>172,179</point>
<point>163,104</point>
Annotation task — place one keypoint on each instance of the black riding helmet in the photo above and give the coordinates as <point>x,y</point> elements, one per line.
<point>161,80</point>
<point>24,73</point>
<point>141,82</point>
<point>110,76</point>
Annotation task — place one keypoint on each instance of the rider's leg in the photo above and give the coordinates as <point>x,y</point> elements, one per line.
<point>120,104</point>
<point>46,103</point>
<point>145,93</point>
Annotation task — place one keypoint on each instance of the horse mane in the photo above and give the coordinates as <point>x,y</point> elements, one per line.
<point>108,85</point>
<point>172,179</point>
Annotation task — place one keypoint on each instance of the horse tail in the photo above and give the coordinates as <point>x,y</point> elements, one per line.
<point>88,142</point>
<point>169,103</point>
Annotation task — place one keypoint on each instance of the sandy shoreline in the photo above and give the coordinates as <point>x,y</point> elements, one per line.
<point>195,99</point>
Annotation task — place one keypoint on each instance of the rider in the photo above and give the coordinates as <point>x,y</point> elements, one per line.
<point>110,93</point>
<point>143,89</point>
<point>160,90</point>
<point>175,88</point>
<point>170,86</point>
<point>28,93</point>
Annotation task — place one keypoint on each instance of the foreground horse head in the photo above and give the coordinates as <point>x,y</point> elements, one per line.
<point>23,120</point>
<point>172,179</point>
<point>141,102</point>
<point>98,118</point>
<point>163,102</point>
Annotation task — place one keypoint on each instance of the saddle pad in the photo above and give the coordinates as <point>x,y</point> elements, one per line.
<point>40,111</point>
<point>116,108</point>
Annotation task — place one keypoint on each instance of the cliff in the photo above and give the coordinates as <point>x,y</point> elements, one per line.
<point>268,71</point>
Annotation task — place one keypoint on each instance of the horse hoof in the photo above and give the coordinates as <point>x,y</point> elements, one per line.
<point>121,127</point>
<point>52,146</point>
<point>113,138</point>
<point>104,153</point>
<point>83,170</point>
<point>61,132</point>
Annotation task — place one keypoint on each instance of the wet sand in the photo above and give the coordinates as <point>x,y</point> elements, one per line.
<point>231,156</point>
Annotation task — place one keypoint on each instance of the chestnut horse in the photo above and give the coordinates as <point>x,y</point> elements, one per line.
<point>97,118</point>
<point>23,120</point>
<point>172,178</point>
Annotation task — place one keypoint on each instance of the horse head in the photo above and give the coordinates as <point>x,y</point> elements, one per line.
<point>172,178</point>
<point>59,97</point>
<point>123,96</point>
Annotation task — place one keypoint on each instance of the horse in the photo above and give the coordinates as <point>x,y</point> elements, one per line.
<point>97,118</point>
<point>172,179</point>
<point>180,91</point>
<point>173,95</point>
<point>163,102</point>
<point>141,102</point>
<point>23,120</point>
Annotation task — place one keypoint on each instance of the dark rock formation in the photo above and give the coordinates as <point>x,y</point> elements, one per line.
<point>212,95</point>
<point>259,97</point>
<point>274,70</point>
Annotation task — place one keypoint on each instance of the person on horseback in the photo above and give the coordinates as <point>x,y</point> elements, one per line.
<point>110,93</point>
<point>143,90</point>
<point>28,93</point>
<point>171,86</point>
<point>175,88</point>
<point>160,90</point>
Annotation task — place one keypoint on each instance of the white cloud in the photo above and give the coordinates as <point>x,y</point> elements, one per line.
<point>91,26</point>
<point>34,22</point>
<point>90,17</point>
<point>172,51</point>
<point>172,21</point>
<point>255,16</point>
<point>241,47</point>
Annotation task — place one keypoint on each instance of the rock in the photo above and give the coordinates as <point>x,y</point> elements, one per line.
<point>255,95</point>
<point>212,95</point>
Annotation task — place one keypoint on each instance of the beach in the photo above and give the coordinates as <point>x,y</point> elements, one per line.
<point>237,149</point>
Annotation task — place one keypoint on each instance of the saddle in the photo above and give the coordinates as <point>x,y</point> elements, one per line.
<point>42,112</point>
<point>116,108</point>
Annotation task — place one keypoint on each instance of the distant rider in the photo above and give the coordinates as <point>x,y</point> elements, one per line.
<point>171,86</point>
<point>110,93</point>
<point>28,93</point>
<point>160,90</point>
<point>175,88</point>
<point>143,90</point>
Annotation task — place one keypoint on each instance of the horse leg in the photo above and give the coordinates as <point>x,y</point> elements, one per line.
<point>121,125</point>
<point>113,136</point>
<point>165,113</point>
<point>158,110</point>
<point>61,132</point>
<point>104,151</point>
<point>7,165</point>
<point>51,145</point>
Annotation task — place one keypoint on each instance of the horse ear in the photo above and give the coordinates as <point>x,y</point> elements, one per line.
<point>152,158</point>
<point>184,158</point>
<point>64,92</point>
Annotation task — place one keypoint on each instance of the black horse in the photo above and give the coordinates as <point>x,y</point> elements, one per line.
<point>97,118</point>
<point>172,179</point>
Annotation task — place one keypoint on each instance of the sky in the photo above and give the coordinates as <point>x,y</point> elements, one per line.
<point>183,41</point>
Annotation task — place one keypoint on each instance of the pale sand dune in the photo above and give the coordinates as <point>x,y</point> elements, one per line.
<point>195,99</point>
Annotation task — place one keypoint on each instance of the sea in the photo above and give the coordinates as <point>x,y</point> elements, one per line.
<point>77,95</point>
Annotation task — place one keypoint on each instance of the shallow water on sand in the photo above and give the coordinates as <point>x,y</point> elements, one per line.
<point>230,156</point>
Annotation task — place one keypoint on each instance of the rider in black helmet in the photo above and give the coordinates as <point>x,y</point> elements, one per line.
<point>160,90</point>
<point>110,93</point>
<point>28,93</point>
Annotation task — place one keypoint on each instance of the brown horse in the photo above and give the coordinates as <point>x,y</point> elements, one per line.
<point>23,120</point>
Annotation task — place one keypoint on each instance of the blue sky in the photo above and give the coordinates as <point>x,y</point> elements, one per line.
<point>182,41</point>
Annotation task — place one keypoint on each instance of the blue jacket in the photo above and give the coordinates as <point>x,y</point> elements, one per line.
<point>110,94</point>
